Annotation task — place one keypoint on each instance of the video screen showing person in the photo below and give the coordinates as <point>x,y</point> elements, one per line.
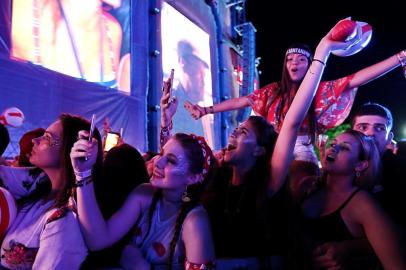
<point>186,48</point>
<point>87,39</point>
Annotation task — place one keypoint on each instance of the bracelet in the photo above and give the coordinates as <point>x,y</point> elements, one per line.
<point>402,58</point>
<point>84,181</point>
<point>205,110</point>
<point>317,60</point>
<point>83,175</point>
<point>168,127</point>
<point>211,109</point>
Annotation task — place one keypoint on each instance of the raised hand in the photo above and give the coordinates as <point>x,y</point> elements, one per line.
<point>331,255</point>
<point>329,44</point>
<point>84,153</point>
<point>168,104</point>
<point>195,110</point>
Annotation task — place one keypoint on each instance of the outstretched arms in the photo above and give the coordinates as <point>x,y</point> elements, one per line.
<point>375,71</point>
<point>283,152</point>
<point>197,111</point>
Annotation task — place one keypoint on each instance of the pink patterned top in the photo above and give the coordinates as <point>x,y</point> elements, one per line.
<point>333,102</point>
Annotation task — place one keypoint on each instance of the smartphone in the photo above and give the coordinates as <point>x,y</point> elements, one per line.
<point>111,140</point>
<point>92,124</point>
<point>172,75</point>
<point>170,80</point>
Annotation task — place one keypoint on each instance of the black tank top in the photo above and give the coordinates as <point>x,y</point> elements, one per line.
<point>330,227</point>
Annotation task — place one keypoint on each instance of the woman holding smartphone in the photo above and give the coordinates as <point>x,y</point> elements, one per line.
<point>46,232</point>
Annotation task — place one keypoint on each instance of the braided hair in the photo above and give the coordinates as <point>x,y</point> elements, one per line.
<point>194,154</point>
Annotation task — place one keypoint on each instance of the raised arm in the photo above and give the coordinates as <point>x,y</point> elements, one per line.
<point>97,232</point>
<point>283,152</point>
<point>375,71</point>
<point>197,111</point>
<point>168,106</point>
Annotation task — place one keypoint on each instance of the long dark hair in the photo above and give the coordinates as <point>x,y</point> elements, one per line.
<point>194,154</point>
<point>125,163</point>
<point>284,93</point>
<point>259,173</point>
<point>71,125</point>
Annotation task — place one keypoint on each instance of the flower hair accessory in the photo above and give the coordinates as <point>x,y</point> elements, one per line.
<point>206,150</point>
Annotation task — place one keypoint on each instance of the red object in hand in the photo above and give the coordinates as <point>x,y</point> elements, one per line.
<point>343,30</point>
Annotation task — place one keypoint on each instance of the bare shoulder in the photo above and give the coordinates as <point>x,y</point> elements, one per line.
<point>142,194</point>
<point>364,206</point>
<point>197,214</point>
<point>196,219</point>
<point>364,199</point>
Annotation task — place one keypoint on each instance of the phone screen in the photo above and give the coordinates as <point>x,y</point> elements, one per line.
<point>111,140</point>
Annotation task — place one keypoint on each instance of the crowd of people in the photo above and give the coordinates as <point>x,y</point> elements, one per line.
<point>262,202</point>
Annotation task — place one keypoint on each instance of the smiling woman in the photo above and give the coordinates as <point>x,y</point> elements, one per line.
<point>171,228</point>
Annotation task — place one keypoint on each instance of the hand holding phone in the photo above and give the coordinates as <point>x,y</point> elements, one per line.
<point>92,124</point>
<point>168,83</point>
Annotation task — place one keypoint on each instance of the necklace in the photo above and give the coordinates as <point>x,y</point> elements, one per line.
<point>103,29</point>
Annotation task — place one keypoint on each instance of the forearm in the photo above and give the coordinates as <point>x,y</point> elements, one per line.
<point>132,259</point>
<point>231,104</point>
<point>357,247</point>
<point>92,223</point>
<point>165,133</point>
<point>373,72</point>
<point>283,152</point>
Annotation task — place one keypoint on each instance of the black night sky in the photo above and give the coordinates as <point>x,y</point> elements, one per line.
<point>299,21</point>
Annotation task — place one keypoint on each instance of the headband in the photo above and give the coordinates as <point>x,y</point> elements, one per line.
<point>299,51</point>
<point>206,154</point>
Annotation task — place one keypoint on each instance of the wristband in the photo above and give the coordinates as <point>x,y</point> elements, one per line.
<point>84,181</point>
<point>168,127</point>
<point>83,175</point>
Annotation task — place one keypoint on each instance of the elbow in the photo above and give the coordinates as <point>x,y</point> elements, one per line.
<point>292,124</point>
<point>95,245</point>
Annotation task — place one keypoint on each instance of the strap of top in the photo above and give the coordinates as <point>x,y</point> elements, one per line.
<point>348,200</point>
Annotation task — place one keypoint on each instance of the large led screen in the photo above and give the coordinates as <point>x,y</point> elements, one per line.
<point>186,48</point>
<point>87,39</point>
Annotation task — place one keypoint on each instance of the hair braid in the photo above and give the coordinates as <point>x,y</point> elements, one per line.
<point>151,210</point>
<point>194,192</point>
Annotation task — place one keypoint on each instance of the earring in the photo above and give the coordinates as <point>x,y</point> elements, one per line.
<point>358,174</point>
<point>185,196</point>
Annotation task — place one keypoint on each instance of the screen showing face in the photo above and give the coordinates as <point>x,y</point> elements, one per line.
<point>186,48</point>
<point>84,39</point>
